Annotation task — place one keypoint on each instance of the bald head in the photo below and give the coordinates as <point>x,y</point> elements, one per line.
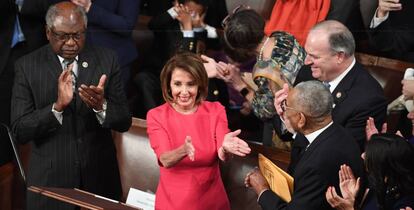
<point>65,13</point>
<point>339,37</point>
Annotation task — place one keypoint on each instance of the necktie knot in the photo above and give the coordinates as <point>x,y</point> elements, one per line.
<point>66,63</point>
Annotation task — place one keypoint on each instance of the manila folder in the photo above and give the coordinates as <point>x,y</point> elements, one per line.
<point>279,181</point>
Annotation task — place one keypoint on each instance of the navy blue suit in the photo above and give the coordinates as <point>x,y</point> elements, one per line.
<point>110,25</point>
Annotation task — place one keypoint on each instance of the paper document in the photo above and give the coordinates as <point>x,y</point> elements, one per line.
<point>141,199</point>
<point>279,181</point>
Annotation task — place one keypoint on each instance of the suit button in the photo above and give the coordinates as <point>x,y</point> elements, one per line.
<point>216,92</point>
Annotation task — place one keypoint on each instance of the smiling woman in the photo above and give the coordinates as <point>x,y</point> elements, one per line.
<point>189,154</point>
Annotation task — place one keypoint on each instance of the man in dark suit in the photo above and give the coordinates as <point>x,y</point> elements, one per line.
<point>67,115</point>
<point>330,49</point>
<point>31,26</point>
<point>307,110</point>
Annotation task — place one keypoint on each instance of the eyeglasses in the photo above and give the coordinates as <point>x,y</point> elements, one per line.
<point>285,107</point>
<point>64,37</point>
<point>239,8</point>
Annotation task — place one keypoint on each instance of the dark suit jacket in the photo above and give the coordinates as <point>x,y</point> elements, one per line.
<point>32,23</point>
<point>317,170</point>
<point>80,152</point>
<point>110,24</point>
<point>357,97</point>
<point>394,37</point>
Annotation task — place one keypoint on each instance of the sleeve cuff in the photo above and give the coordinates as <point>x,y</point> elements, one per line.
<point>377,21</point>
<point>58,115</point>
<point>211,32</point>
<point>101,114</point>
<point>260,194</point>
<point>188,34</point>
<point>172,12</point>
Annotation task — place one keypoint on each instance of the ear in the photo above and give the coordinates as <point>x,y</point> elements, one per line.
<point>47,31</point>
<point>302,121</point>
<point>340,56</point>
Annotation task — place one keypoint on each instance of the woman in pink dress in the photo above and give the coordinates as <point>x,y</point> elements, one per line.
<point>190,136</point>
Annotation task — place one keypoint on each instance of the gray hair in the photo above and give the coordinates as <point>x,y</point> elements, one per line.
<point>53,12</point>
<point>314,99</point>
<point>340,38</point>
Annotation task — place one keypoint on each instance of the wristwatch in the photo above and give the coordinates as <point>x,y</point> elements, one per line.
<point>244,92</point>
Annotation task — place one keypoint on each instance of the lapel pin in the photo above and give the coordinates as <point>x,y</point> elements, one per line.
<point>85,64</point>
<point>338,95</point>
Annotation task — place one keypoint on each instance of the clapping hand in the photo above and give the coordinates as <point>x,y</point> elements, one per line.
<point>280,96</point>
<point>370,128</point>
<point>349,187</point>
<point>385,6</point>
<point>93,96</point>
<point>210,65</point>
<point>65,89</point>
<point>86,4</point>
<point>189,148</point>
<point>234,145</point>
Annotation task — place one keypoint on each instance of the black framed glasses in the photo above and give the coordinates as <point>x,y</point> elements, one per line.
<point>64,37</point>
<point>239,8</point>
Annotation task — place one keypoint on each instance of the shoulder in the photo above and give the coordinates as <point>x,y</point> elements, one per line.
<point>158,111</point>
<point>211,107</point>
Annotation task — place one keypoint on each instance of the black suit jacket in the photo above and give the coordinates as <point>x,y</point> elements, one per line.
<point>357,97</point>
<point>79,152</point>
<point>32,23</point>
<point>317,170</point>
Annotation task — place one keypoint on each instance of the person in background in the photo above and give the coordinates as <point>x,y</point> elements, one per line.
<point>392,31</point>
<point>67,98</point>
<point>190,136</point>
<point>180,28</point>
<point>307,110</point>
<point>110,24</point>
<point>388,160</point>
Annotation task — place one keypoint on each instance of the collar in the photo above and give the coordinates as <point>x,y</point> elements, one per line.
<point>334,83</point>
<point>312,136</point>
<point>61,59</point>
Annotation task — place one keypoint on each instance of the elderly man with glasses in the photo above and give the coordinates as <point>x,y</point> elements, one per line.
<point>307,110</point>
<point>67,97</point>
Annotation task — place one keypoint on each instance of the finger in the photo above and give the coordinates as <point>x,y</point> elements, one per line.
<point>341,174</point>
<point>86,99</point>
<point>384,128</point>
<point>206,58</point>
<point>102,81</point>
<point>87,91</point>
<point>235,133</point>
<point>399,133</point>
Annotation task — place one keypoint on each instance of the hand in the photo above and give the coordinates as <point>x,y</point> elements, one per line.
<point>230,74</point>
<point>210,65</point>
<point>232,144</point>
<point>256,180</point>
<point>349,187</point>
<point>189,148</point>
<point>407,88</point>
<point>280,96</point>
<point>370,128</point>
<point>86,4</point>
<point>407,208</point>
<point>184,17</point>
<point>385,6</point>
<point>347,183</point>
<point>65,89</point>
<point>93,96</point>
<point>336,201</point>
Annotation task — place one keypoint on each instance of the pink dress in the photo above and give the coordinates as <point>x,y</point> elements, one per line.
<point>189,184</point>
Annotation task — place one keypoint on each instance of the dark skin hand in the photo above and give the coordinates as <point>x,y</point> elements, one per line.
<point>92,95</point>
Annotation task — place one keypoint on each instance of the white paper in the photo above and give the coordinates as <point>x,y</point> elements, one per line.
<point>141,199</point>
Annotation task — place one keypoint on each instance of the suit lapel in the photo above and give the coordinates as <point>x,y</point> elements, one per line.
<point>341,91</point>
<point>316,143</point>
<point>52,64</point>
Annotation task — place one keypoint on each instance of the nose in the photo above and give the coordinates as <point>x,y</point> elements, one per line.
<point>308,60</point>
<point>71,41</point>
